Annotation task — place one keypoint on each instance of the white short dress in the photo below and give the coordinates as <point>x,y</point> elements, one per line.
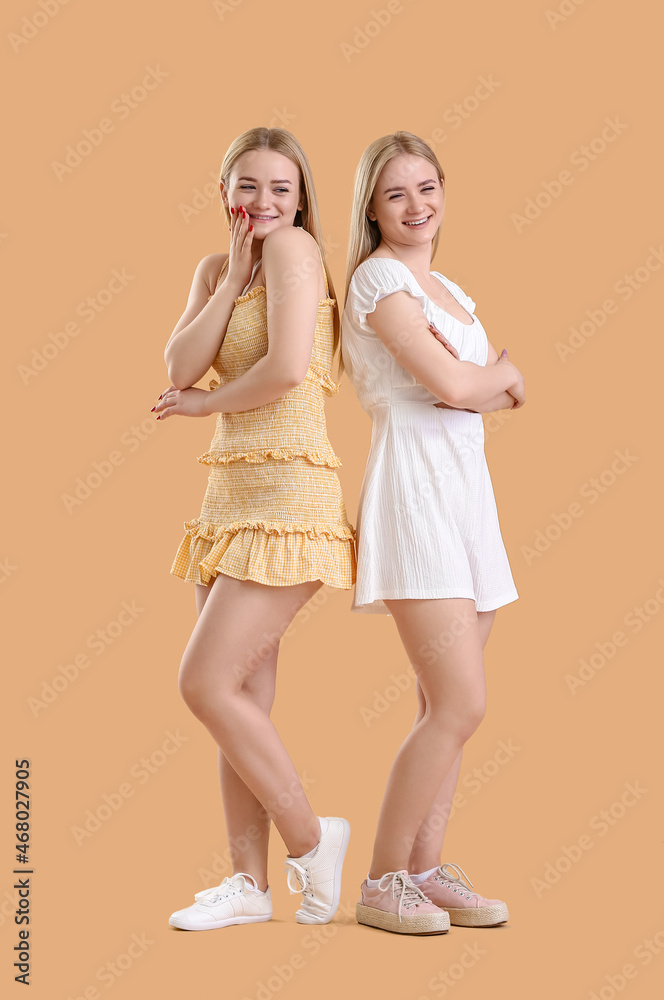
<point>427,521</point>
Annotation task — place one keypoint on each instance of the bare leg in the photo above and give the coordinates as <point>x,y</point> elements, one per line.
<point>247,823</point>
<point>442,640</point>
<point>428,845</point>
<point>229,656</point>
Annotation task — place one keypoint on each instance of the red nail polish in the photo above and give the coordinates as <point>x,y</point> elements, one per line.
<point>232,211</point>
<point>250,228</point>
<point>153,409</point>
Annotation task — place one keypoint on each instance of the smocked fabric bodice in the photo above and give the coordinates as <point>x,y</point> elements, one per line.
<point>289,427</point>
<point>273,510</point>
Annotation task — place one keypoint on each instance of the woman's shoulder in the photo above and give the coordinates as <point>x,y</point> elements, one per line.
<point>381,267</point>
<point>384,273</point>
<point>291,247</point>
<point>377,275</point>
<point>290,238</point>
<point>209,269</point>
<point>213,261</point>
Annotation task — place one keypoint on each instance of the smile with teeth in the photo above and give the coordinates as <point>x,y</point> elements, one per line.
<point>418,222</point>
<point>262,218</point>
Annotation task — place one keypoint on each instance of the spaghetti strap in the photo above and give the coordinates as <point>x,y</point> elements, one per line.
<point>251,276</point>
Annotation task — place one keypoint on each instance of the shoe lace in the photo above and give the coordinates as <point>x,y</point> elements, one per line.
<point>230,886</point>
<point>301,876</point>
<point>456,882</point>
<point>410,894</point>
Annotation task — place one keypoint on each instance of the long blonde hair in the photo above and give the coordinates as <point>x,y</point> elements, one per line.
<point>365,234</point>
<point>282,141</point>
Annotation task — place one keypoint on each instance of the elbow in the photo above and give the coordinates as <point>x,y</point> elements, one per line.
<point>173,369</point>
<point>288,376</point>
<point>286,381</point>
<point>177,379</point>
<point>452,395</point>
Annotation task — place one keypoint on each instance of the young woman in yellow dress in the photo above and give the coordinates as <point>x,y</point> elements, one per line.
<point>273,528</point>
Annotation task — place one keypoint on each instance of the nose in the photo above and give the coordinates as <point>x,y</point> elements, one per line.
<point>414,203</point>
<point>262,199</point>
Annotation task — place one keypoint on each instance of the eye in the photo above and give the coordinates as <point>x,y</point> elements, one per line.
<point>245,187</point>
<point>430,188</point>
<point>393,196</point>
<point>281,190</point>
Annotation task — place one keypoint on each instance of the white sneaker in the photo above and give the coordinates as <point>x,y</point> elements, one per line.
<point>235,901</point>
<point>318,878</point>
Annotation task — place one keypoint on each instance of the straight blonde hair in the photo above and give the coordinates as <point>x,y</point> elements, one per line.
<point>282,141</point>
<point>365,234</point>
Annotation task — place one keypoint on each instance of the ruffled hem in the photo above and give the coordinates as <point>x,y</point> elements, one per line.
<point>263,454</point>
<point>268,552</point>
<point>213,532</point>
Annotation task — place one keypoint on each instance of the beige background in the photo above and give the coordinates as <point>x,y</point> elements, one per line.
<point>138,204</point>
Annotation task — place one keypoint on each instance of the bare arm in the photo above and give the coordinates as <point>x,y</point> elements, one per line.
<point>200,331</point>
<point>400,323</point>
<point>503,400</point>
<point>500,402</point>
<point>292,306</point>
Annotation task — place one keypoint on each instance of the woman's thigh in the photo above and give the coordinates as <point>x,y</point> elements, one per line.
<point>443,641</point>
<point>202,594</point>
<point>238,631</point>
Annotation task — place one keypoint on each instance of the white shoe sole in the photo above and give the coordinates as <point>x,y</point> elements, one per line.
<point>182,924</point>
<point>306,918</point>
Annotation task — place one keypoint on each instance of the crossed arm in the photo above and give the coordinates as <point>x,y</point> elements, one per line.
<point>399,321</point>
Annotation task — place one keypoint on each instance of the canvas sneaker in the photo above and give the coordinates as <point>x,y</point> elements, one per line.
<point>238,900</point>
<point>449,887</point>
<point>397,904</point>
<point>318,877</point>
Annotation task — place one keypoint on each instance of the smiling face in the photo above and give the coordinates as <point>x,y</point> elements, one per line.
<point>408,201</point>
<point>267,185</point>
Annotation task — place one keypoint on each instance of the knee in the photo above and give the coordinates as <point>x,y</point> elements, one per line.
<point>191,690</point>
<point>200,695</point>
<point>463,719</point>
<point>473,713</point>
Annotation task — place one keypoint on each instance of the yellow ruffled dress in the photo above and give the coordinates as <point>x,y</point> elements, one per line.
<point>273,510</point>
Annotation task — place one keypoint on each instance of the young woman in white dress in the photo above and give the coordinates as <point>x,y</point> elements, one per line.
<point>430,551</point>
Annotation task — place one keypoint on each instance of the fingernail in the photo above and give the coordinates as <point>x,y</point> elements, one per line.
<point>153,409</point>
<point>161,395</point>
<point>250,228</point>
<point>232,211</point>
